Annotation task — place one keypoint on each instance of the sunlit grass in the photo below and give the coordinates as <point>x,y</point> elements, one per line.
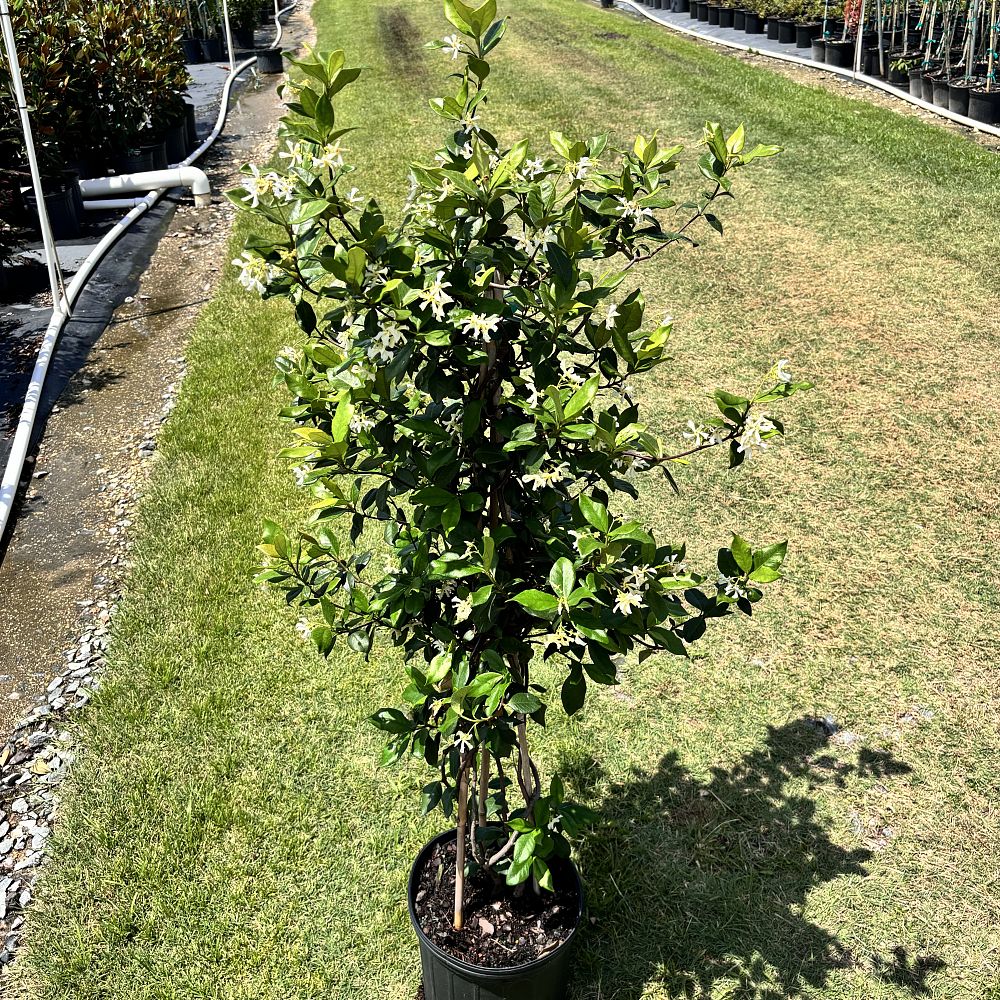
<point>228,834</point>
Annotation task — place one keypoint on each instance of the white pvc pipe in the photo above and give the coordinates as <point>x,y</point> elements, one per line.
<point>152,180</point>
<point>229,35</point>
<point>871,81</point>
<point>51,256</point>
<point>109,204</point>
<point>61,313</point>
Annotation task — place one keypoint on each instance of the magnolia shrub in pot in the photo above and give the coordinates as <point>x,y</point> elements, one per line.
<point>465,389</point>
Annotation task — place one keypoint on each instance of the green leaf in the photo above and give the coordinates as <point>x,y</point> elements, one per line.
<point>542,874</point>
<point>764,574</point>
<point>433,496</point>
<point>357,260</point>
<point>771,556</point>
<point>562,577</point>
<point>525,703</point>
<point>430,796</point>
<point>391,720</point>
<point>536,600</point>
<point>583,397</point>
<point>574,691</point>
<point>742,553</point>
<point>595,513</point>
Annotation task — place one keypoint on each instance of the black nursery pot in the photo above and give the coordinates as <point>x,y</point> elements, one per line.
<point>958,98</point>
<point>726,17</point>
<point>805,33</point>
<point>211,49</point>
<point>985,107</point>
<point>772,29</point>
<point>60,207</point>
<point>607,4</point>
<point>693,10</point>
<point>739,19</point>
<point>448,978</point>
<point>927,88</point>
<point>713,13</point>
<point>917,82</point>
<point>679,6</point>
<point>819,50</point>
<point>702,10</point>
<point>192,51</point>
<point>138,162</point>
<point>191,126</point>
<point>175,140</point>
<point>840,54</point>
<point>786,32</point>
<point>941,92</point>
<point>754,23</point>
<point>270,61</point>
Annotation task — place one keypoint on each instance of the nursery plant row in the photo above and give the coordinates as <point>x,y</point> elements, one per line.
<point>106,87</point>
<point>944,53</point>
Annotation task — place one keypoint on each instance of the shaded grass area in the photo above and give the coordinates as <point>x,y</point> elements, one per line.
<point>228,834</point>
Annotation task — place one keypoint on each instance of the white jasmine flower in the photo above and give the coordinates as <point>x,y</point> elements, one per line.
<point>354,197</point>
<point>295,152</point>
<point>568,367</point>
<point>281,187</point>
<point>751,435</point>
<point>613,314</point>
<point>303,628</point>
<point>436,295</point>
<point>546,477</point>
<point>255,272</point>
<point>466,150</point>
<point>578,171</point>
<point>781,371</point>
<point>697,435</point>
<point>384,343</point>
<point>300,472</point>
<point>627,601</point>
<point>463,742</point>
<point>463,608</point>
<point>331,157</point>
<point>468,122</point>
<point>452,45</point>
<point>532,168</point>
<point>481,327</point>
<point>256,187</point>
<point>361,423</point>
<point>731,587</point>
<point>631,209</point>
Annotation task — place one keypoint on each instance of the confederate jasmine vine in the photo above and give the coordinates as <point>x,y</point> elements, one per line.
<point>465,388</point>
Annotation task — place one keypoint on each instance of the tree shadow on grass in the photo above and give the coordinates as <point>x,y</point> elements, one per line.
<point>699,886</point>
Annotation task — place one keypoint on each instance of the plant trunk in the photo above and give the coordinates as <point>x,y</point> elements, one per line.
<point>483,786</point>
<point>462,834</point>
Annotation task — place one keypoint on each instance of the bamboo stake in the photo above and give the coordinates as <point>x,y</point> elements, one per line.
<point>993,47</point>
<point>461,834</point>
<point>483,785</point>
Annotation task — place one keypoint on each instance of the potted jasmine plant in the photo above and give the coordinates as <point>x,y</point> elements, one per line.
<point>465,392</point>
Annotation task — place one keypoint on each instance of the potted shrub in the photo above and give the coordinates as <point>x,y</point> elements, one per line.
<point>464,389</point>
<point>726,14</point>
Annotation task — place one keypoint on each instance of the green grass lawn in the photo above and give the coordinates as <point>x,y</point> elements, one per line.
<point>227,832</point>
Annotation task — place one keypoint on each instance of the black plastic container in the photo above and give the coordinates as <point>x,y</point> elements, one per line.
<point>840,53</point>
<point>726,17</point>
<point>211,49</point>
<point>941,92</point>
<point>243,38</point>
<point>60,207</point>
<point>739,19</point>
<point>786,32</point>
<point>448,978</point>
<point>137,161</point>
<point>754,23</point>
<point>958,98</point>
<point>927,88</point>
<point>917,82</point>
<point>679,6</point>
<point>270,61</point>
<point>985,107</point>
<point>819,50</point>
<point>693,10</point>
<point>713,13</point>
<point>193,53</point>
<point>191,126</point>
<point>870,64</point>
<point>175,140</point>
<point>702,10</point>
<point>805,33</point>
<point>772,29</point>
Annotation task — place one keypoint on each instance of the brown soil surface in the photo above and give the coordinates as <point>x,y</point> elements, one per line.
<point>502,928</point>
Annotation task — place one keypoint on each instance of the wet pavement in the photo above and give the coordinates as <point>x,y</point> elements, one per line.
<point>26,303</point>
<point>113,377</point>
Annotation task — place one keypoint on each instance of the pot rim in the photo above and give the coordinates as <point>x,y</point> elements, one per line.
<point>487,972</point>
